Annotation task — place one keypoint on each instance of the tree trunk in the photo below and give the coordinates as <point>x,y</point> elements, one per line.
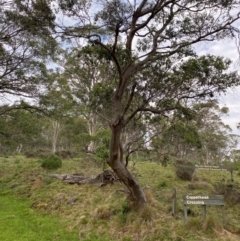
<point>136,192</point>
<point>56,129</point>
<point>19,148</point>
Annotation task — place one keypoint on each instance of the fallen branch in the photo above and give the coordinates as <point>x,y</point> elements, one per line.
<point>101,179</point>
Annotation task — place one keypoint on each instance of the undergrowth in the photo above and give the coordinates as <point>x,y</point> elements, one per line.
<point>88,212</point>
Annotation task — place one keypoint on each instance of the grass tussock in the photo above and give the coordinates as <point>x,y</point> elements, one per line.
<point>212,224</point>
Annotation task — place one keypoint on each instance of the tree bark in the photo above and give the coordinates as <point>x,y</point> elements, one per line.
<point>136,193</point>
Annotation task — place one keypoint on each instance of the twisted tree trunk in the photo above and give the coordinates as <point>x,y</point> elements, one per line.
<point>136,192</point>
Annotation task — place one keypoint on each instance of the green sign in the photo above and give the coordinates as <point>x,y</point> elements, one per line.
<point>203,200</point>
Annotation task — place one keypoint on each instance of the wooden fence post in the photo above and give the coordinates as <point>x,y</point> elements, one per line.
<point>174,202</point>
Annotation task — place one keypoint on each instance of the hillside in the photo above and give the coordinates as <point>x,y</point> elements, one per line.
<point>35,204</point>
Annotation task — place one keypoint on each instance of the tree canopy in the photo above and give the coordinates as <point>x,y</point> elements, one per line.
<point>26,43</point>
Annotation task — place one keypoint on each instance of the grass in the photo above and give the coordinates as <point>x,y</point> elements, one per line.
<point>55,210</point>
<point>20,223</point>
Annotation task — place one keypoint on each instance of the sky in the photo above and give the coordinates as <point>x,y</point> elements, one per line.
<point>226,48</point>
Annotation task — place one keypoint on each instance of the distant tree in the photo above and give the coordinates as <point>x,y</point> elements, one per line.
<point>58,102</point>
<point>20,131</point>
<point>216,137</point>
<point>25,44</point>
<point>154,37</point>
<point>73,136</point>
<point>197,134</point>
<point>88,70</point>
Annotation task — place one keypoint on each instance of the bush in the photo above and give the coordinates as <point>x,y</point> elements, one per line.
<point>40,153</point>
<point>184,170</point>
<point>66,154</point>
<point>162,184</point>
<point>51,162</point>
<point>230,191</point>
<point>102,152</point>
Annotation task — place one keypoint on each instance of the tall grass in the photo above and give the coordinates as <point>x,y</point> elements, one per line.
<point>48,209</point>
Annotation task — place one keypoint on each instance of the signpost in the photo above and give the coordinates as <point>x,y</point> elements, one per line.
<point>217,168</point>
<point>203,200</point>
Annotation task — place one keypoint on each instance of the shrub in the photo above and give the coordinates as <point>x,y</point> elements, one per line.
<point>184,170</point>
<point>66,154</point>
<point>40,153</point>
<point>165,160</point>
<point>162,184</point>
<point>103,212</point>
<point>230,191</point>
<point>51,162</point>
<point>102,152</point>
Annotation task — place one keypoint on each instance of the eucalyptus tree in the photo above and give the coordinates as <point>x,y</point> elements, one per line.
<point>154,37</point>
<point>25,42</point>
<point>197,134</point>
<point>74,136</point>
<point>88,70</point>
<point>58,102</point>
<point>178,141</point>
<point>216,137</point>
<point>20,131</point>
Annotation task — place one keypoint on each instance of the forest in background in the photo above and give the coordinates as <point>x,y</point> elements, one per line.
<point>204,139</point>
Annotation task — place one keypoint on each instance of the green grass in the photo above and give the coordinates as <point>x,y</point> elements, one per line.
<point>18,222</point>
<point>36,207</point>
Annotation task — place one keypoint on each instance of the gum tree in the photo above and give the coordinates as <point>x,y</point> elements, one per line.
<point>25,45</point>
<point>148,42</point>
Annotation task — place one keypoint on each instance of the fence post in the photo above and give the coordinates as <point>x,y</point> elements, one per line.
<point>174,202</point>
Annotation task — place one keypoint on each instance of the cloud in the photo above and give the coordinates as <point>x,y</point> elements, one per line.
<point>226,48</point>
<point>231,100</point>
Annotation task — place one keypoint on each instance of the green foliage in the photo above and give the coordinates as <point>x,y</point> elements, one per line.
<point>102,139</point>
<point>126,238</point>
<point>164,160</point>
<point>125,209</point>
<point>102,152</point>
<point>51,162</point>
<point>101,96</point>
<point>25,42</point>
<point>96,237</point>
<point>19,127</point>
<point>185,133</point>
<point>162,184</point>
<point>17,161</point>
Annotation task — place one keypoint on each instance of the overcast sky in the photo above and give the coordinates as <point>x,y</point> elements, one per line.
<point>226,48</point>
